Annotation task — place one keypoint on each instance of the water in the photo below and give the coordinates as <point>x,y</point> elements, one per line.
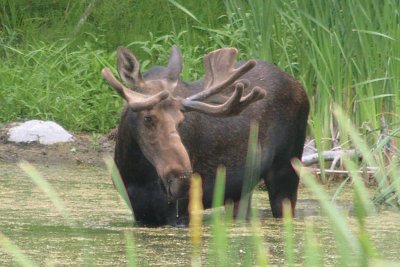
<point>102,221</point>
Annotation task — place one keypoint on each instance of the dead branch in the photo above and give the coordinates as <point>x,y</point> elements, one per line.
<point>368,171</point>
<point>330,156</point>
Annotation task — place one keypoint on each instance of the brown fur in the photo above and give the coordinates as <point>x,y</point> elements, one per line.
<point>158,147</point>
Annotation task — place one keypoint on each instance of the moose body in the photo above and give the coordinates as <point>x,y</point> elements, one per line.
<point>196,127</point>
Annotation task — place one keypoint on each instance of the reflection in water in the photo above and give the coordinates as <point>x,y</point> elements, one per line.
<point>29,219</point>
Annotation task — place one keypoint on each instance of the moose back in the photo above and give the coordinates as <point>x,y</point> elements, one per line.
<point>170,128</point>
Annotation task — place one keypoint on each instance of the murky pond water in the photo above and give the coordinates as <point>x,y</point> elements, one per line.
<point>32,222</point>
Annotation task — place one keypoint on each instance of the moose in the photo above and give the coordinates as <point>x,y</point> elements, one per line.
<point>170,129</point>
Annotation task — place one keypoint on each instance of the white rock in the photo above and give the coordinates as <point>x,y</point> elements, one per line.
<point>43,132</point>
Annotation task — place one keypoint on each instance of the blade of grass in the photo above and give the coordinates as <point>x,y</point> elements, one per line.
<point>257,239</point>
<point>130,249</point>
<point>312,253</point>
<point>368,157</point>
<point>252,172</point>
<point>117,180</point>
<point>219,189</point>
<point>288,234</point>
<point>346,242</point>
<point>46,187</point>
<point>360,191</point>
<point>317,130</point>
<point>362,206</point>
<point>184,10</point>
<point>17,254</point>
<point>196,217</point>
<point>219,225</point>
<point>340,189</point>
<point>349,129</point>
<point>375,33</point>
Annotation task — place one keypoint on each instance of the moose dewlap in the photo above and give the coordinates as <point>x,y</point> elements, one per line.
<point>170,128</point>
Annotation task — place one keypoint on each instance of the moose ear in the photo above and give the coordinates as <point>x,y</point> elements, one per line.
<point>174,64</point>
<point>128,67</point>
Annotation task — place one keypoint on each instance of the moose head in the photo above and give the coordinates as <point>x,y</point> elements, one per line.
<point>159,101</point>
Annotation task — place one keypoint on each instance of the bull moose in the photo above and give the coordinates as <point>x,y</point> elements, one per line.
<point>170,128</point>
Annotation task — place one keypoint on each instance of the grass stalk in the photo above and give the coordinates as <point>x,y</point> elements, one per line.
<point>312,250</point>
<point>117,180</point>
<point>17,254</point>
<point>346,242</point>
<point>252,172</point>
<point>261,249</point>
<point>219,223</point>
<point>196,217</point>
<point>46,187</point>
<point>363,208</point>
<point>130,249</point>
<point>288,234</point>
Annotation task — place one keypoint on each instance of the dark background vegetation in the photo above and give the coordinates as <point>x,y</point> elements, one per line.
<point>52,52</point>
<point>114,22</point>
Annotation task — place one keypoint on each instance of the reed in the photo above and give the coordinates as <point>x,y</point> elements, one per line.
<point>47,189</point>
<point>117,181</point>
<point>345,53</point>
<point>17,254</point>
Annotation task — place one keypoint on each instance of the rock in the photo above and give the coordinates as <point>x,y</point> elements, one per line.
<point>43,132</point>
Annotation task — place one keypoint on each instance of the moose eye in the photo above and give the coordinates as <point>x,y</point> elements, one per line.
<point>148,119</point>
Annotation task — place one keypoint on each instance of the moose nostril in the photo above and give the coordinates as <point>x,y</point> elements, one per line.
<point>185,175</point>
<point>180,175</point>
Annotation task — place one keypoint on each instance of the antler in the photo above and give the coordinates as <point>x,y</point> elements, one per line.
<point>136,101</point>
<point>232,106</point>
<point>220,74</point>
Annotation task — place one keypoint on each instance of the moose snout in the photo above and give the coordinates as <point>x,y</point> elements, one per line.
<point>177,183</point>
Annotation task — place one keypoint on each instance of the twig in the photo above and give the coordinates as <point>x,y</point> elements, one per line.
<point>343,172</point>
<point>85,15</point>
<point>329,156</point>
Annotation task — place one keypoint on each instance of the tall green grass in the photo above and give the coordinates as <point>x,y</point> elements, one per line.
<point>58,83</point>
<point>345,52</point>
<point>119,22</point>
<point>62,82</point>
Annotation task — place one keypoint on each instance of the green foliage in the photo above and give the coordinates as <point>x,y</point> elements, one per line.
<point>312,251</point>
<point>219,226</point>
<point>130,249</point>
<point>119,22</point>
<point>58,83</point>
<point>289,240</point>
<point>345,52</point>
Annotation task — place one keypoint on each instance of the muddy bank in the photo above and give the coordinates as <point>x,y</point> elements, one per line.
<point>86,149</point>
